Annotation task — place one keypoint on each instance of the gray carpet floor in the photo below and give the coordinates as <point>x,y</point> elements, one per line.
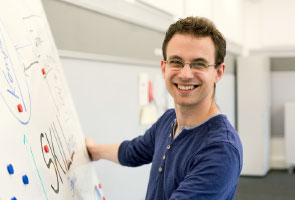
<point>276,185</point>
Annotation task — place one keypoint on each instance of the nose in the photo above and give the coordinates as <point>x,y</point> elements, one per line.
<point>186,72</point>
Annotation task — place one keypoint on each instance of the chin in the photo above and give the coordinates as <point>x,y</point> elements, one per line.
<point>185,103</point>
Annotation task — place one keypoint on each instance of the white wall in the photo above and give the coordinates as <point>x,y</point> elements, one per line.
<point>174,7</point>
<point>253,24</point>
<point>106,98</point>
<point>269,23</point>
<point>228,16</point>
<point>199,8</point>
<point>254,113</point>
<point>278,23</point>
<point>225,97</point>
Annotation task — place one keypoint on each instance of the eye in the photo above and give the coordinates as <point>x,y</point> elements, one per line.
<point>175,63</point>
<point>198,65</point>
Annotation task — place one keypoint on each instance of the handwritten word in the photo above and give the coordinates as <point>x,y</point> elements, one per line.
<point>60,162</point>
<point>13,85</point>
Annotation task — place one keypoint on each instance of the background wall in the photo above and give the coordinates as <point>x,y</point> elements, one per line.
<point>269,24</point>
<point>77,28</point>
<point>106,99</point>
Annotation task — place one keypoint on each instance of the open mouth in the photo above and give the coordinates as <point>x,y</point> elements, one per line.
<point>186,87</point>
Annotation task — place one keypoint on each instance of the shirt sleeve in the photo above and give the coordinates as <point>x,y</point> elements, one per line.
<point>138,151</point>
<point>213,174</point>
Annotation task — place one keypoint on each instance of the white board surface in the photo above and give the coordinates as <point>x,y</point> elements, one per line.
<point>41,138</point>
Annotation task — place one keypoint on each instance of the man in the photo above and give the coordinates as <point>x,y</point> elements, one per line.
<point>195,152</point>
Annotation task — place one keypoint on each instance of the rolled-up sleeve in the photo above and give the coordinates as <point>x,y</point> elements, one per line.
<point>138,151</point>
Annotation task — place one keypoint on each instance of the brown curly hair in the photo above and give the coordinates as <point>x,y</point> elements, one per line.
<point>198,27</point>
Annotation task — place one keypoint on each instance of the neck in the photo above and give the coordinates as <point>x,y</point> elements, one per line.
<point>193,115</point>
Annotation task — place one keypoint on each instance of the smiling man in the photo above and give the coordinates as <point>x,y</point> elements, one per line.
<point>194,150</point>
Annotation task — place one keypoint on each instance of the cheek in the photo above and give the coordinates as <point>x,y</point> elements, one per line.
<point>207,79</point>
<point>201,76</point>
<point>168,75</point>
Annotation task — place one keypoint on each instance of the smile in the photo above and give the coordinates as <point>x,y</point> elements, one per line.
<point>186,87</point>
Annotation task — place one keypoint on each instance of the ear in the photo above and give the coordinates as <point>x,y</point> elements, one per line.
<point>219,72</point>
<point>163,68</point>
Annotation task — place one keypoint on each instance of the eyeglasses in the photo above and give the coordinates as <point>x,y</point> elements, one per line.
<point>177,65</point>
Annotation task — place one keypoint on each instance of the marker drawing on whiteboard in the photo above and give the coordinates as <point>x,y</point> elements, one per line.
<point>70,141</point>
<point>97,193</point>
<point>55,145</point>
<point>30,65</point>
<point>73,182</point>
<point>52,161</point>
<point>11,91</point>
<point>27,17</point>
<point>27,143</point>
<point>68,162</point>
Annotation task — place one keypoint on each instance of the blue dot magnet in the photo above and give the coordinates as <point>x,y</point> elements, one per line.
<point>10,169</point>
<point>13,198</point>
<point>25,179</point>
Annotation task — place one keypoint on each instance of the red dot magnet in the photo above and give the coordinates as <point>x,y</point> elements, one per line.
<point>99,185</point>
<point>46,148</point>
<point>103,198</point>
<point>20,108</point>
<point>43,71</point>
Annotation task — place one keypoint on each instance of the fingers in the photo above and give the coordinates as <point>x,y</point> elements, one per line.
<point>90,144</point>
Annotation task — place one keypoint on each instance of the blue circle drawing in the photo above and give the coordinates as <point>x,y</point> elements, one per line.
<point>11,71</point>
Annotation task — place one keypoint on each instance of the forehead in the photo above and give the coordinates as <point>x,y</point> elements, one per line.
<point>190,47</point>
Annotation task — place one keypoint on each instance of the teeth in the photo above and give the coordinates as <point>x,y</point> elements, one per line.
<point>186,87</point>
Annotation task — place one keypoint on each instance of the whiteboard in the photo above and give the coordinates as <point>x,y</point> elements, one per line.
<point>43,154</point>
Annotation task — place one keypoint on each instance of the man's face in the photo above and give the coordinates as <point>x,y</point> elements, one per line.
<point>190,87</point>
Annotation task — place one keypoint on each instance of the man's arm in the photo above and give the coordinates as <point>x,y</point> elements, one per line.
<point>102,151</point>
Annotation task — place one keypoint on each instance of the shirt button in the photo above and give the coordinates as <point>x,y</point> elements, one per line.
<point>170,135</point>
<point>160,169</point>
<point>168,147</point>
<point>164,157</point>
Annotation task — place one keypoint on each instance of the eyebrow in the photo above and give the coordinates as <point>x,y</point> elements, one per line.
<point>175,57</point>
<point>193,60</point>
<point>200,59</point>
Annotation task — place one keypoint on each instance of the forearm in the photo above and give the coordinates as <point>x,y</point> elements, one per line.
<point>107,152</point>
<point>102,151</point>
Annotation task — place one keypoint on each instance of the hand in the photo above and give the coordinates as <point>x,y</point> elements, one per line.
<point>92,149</point>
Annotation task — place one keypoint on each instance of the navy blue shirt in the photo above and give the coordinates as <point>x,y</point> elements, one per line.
<point>203,162</point>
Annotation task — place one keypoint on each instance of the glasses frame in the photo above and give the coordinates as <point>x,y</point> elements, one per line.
<point>190,64</point>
